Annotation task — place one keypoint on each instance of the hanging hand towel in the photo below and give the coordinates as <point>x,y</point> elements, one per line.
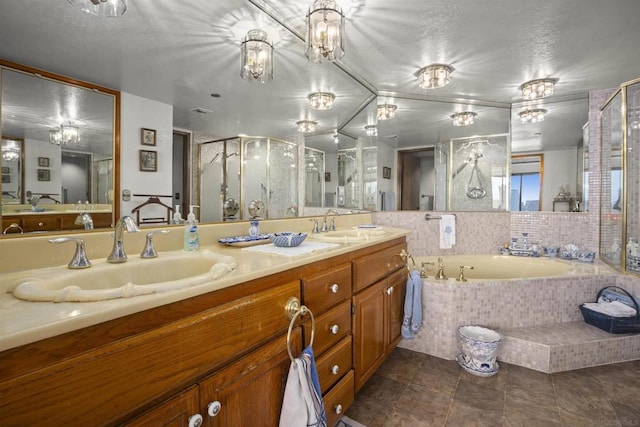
<point>412,320</point>
<point>447,231</point>
<point>302,405</point>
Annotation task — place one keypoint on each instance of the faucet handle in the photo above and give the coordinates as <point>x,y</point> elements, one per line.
<point>79,259</point>
<point>461,277</point>
<point>315,226</point>
<point>149,251</point>
<point>333,224</point>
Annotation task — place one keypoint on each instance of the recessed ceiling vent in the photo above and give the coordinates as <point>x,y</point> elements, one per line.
<point>201,110</point>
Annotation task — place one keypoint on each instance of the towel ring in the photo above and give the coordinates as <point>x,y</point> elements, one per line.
<point>294,309</point>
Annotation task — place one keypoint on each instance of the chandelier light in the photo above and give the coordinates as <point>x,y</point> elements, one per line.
<point>101,8</point>
<point>464,118</point>
<point>538,89</point>
<point>371,130</point>
<point>306,126</point>
<point>10,151</point>
<point>533,115</point>
<point>434,76</point>
<point>67,134</point>
<point>325,32</point>
<point>321,100</point>
<point>256,57</point>
<point>386,111</point>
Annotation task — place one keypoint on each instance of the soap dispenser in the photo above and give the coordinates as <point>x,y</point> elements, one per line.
<point>177,217</point>
<point>191,240</point>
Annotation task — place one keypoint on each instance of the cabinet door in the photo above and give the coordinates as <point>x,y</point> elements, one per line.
<point>249,392</point>
<point>175,412</point>
<point>396,289</point>
<point>369,331</point>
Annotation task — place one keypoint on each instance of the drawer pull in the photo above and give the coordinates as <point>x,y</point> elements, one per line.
<point>41,224</point>
<point>338,409</point>
<point>390,290</point>
<point>335,369</point>
<point>213,408</point>
<point>195,420</point>
<point>334,329</point>
<point>334,288</point>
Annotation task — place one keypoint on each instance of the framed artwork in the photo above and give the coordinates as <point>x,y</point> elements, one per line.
<point>148,161</point>
<point>386,172</point>
<point>44,175</point>
<point>148,137</point>
<point>43,162</point>
<point>327,177</point>
<point>6,179</point>
<point>5,169</point>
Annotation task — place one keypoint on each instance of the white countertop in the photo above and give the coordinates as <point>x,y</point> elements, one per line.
<point>23,322</point>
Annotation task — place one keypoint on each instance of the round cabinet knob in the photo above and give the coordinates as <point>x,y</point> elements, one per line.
<point>338,409</point>
<point>334,329</point>
<point>390,291</point>
<point>195,420</point>
<point>213,408</point>
<point>334,288</point>
<point>335,369</point>
<point>41,224</point>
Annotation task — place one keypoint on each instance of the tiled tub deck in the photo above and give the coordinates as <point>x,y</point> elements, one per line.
<point>539,319</point>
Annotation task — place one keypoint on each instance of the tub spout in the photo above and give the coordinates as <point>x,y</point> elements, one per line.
<point>461,275</point>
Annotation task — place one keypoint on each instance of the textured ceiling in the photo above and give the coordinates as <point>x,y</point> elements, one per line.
<point>181,52</point>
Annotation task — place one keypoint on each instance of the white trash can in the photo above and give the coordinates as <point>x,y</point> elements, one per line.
<point>479,349</point>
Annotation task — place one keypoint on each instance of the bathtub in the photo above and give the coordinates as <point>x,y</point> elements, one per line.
<point>499,267</point>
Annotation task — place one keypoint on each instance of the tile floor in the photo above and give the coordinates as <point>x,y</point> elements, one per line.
<point>415,389</point>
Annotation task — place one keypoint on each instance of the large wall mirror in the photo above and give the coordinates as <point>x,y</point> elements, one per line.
<point>60,157</point>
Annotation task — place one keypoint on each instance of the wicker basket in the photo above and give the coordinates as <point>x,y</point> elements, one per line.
<point>613,325</point>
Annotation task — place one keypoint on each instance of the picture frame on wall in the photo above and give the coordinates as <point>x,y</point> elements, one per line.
<point>327,177</point>
<point>43,162</point>
<point>6,169</point>
<point>6,179</point>
<point>148,161</point>
<point>386,172</point>
<point>148,137</point>
<point>44,175</point>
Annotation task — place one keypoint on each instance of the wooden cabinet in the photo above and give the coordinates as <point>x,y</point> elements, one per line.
<point>54,221</point>
<point>339,399</point>
<point>378,311</point>
<point>175,412</point>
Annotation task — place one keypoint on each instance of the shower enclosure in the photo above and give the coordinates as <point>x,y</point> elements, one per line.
<point>472,173</point>
<point>314,164</point>
<point>234,171</point>
<point>358,176</point>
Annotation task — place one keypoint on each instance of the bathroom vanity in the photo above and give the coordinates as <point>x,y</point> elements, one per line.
<point>221,355</point>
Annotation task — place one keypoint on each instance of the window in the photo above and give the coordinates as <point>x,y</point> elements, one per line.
<point>525,192</point>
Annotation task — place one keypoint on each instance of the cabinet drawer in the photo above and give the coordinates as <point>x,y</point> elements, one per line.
<point>339,399</point>
<point>334,363</point>
<point>327,289</point>
<point>371,268</point>
<point>331,327</point>
<point>42,223</point>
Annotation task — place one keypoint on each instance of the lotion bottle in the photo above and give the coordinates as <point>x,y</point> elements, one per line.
<point>177,217</point>
<point>191,240</point>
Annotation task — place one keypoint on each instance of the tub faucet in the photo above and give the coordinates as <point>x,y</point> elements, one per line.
<point>118,255</point>
<point>441,275</point>
<point>425,268</point>
<point>461,275</point>
<point>333,222</point>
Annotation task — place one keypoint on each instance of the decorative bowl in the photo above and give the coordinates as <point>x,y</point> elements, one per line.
<point>288,239</point>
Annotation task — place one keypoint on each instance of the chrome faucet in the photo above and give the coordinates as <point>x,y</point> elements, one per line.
<point>84,219</point>
<point>79,259</point>
<point>149,250</point>
<point>118,254</point>
<point>333,222</point>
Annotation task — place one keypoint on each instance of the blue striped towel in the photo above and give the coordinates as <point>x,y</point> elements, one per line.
<point>412,320</point>
<point>302,405</point>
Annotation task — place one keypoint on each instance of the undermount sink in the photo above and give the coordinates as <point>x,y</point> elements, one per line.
<point>349,236</point>
<point>169,272</point>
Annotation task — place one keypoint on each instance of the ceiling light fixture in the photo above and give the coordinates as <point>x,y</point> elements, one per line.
<point>321,100</point>
<point>538,89</point>
<point>371,130</point>
<point>67,134</point>
<point>434,76</point>
<point>101,8</point>
<point>336,138</point>
<point>533,115</point>
<point>464,118</point>
<point>10,151</point>
<point>386,111</point>
<point>325,32</point>
<point>306,126</point>
<point>256,57</point>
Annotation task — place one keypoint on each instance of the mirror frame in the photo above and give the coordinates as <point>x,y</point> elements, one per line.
<point>116,131</point>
